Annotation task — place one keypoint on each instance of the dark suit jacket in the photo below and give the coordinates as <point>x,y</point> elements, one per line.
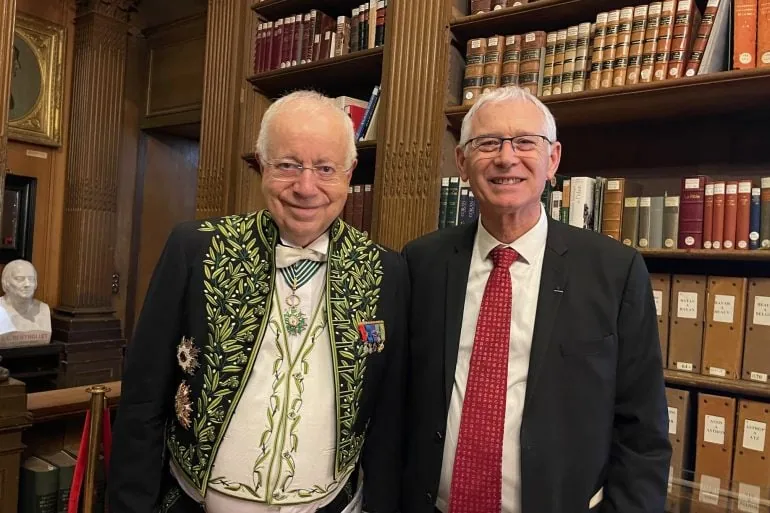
<point>194,279</point>
<point>595,412</point>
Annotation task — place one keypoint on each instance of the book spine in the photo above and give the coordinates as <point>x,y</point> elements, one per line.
<point>691,213</point>
<point>379,33</point>
<point>558,61</point>
<point>638,30</point>
<point>701,38</point>
<point>731,214</point>
<point>442,209</point>
<point>511,60</point>
<point>550,48</point>
<point>493,62</point>
<point>610,42</point>
<point>745,38</point>
<point>681,40</point>
<point>708,215</point>
<point>764,226</point>
<point>568,64</point>
<point>597,53</point>
<point>650,47</point>
<point>743,215</point>
<point>474,70</point>
<point>665,34</point>
<point>670,222</point>
<point>622,47</point>
<point>532,62</point>
<point>718,223</point>
<point>580,74</point>
<point>754,218</point>
<point>763,34</point>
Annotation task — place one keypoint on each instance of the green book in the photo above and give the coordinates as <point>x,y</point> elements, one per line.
<point>38,486</point>
<point>65,462</point>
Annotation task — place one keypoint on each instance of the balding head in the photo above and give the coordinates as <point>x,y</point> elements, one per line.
<point>304,105</point>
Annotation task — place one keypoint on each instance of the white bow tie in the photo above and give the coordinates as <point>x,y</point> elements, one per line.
<point>286,256</point>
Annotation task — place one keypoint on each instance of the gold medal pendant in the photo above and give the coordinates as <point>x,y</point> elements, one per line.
<point>293,319</point>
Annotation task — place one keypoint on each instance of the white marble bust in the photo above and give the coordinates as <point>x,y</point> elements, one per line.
<point>24,320</point>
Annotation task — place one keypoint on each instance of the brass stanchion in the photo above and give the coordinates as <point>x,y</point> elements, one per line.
<point>94,442</point>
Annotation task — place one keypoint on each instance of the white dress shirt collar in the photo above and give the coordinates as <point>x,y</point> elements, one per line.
<point>528,246</point>
<point>320,245</point>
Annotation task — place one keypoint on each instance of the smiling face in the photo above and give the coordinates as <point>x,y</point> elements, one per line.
<point>305,206</point>
<point>509,182</point>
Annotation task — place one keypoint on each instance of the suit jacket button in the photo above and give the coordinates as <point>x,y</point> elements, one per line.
<point>429,498</point>
<point>439,436</point>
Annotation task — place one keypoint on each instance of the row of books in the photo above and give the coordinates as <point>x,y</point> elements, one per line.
<point>724,440</point>
<point>363,113</point>
<point>729,214</point>
<point>457,204</point>
<point>315,36</point>
<point>714,325</point>
<point>662,40</point>
<point>358,207</point>
<point>45,481</point>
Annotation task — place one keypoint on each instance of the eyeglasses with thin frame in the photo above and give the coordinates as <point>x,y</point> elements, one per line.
<point>520,143</point>
<point>291,170</point>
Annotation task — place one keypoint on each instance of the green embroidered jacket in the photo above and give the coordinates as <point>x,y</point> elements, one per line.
<point>199,333</point>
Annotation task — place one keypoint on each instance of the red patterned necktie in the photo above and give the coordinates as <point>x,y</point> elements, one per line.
<point>477,473</point>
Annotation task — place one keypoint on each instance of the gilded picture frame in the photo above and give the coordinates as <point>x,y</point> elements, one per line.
<point>36,82</point>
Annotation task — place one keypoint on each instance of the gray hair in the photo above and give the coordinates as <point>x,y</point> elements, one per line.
<point>311,103</point>
<point>504,94</point>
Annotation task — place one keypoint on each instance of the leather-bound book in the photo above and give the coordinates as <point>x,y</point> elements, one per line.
<point>691,212</point>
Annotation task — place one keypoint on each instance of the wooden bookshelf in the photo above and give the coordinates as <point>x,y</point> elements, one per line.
<point>712,94</point>
<point>539,15</point>
<point>740,387</point>
<point>354,74</point>
<point>736,255</point>
<point>274,9</point>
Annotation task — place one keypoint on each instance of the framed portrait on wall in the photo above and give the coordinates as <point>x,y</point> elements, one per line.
<point>18,218</point>
<point>37,68</point>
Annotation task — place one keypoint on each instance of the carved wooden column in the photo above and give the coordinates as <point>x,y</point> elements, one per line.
<point>7,18</point>
<point>407,181</point>
<point>85,321</point>
<point>223,79</point>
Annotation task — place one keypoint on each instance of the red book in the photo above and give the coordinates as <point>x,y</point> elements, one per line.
<point>691,212</point>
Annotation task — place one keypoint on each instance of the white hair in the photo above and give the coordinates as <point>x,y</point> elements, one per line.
<point>507,94</point>
<point>310,104</point>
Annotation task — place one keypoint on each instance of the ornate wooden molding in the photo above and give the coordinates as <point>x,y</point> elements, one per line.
<point>407,179</point>
<point>92,172</point>
<point>7,19</point>
<point>224,77</point>
<point>118,9</point>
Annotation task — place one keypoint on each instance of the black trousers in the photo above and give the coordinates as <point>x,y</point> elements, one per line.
<point>175,500</point>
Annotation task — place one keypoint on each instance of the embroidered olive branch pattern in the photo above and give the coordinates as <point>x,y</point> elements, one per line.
<point>236,287</point>
<point>355,279</point>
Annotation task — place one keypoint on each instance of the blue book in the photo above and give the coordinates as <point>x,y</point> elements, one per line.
<point>754,218</point>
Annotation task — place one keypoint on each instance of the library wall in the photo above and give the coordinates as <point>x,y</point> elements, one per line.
<point>48,164</point>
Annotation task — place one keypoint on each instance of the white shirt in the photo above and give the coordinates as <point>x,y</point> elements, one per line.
<point>525,280</point>
<point>240,447</point>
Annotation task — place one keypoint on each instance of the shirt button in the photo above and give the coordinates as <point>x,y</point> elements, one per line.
<point>429,498</point>
<point>439,436</point>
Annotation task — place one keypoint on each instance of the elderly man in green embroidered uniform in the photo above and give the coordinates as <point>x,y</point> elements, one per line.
<point>266,370</point>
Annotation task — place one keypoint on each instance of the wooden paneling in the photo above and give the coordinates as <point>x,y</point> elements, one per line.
<point>27,159</point>
<point>7,10</point>
<point>224,80</point>
<point>407,177</point>
<point>175,71</point>
<point>168,167</point>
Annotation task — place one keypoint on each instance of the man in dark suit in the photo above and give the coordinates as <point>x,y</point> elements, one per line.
<point>535,374</point>
<point>266,369</point>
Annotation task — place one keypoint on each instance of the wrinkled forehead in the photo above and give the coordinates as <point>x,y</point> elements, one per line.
<point>508,117</point>
<point>315,130</point>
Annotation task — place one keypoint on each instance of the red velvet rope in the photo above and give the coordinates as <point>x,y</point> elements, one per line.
<point>80,464</point>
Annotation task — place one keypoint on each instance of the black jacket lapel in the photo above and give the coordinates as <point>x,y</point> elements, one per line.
<point>552,285</point>
<point>458,264</point>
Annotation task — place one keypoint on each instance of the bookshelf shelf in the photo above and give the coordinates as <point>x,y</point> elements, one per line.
<point>712,94</point>
<point>540,15</point>
<point>275,9</point>
<point>354,74</point>
<point>714,384</point>
<point>707,254</point>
